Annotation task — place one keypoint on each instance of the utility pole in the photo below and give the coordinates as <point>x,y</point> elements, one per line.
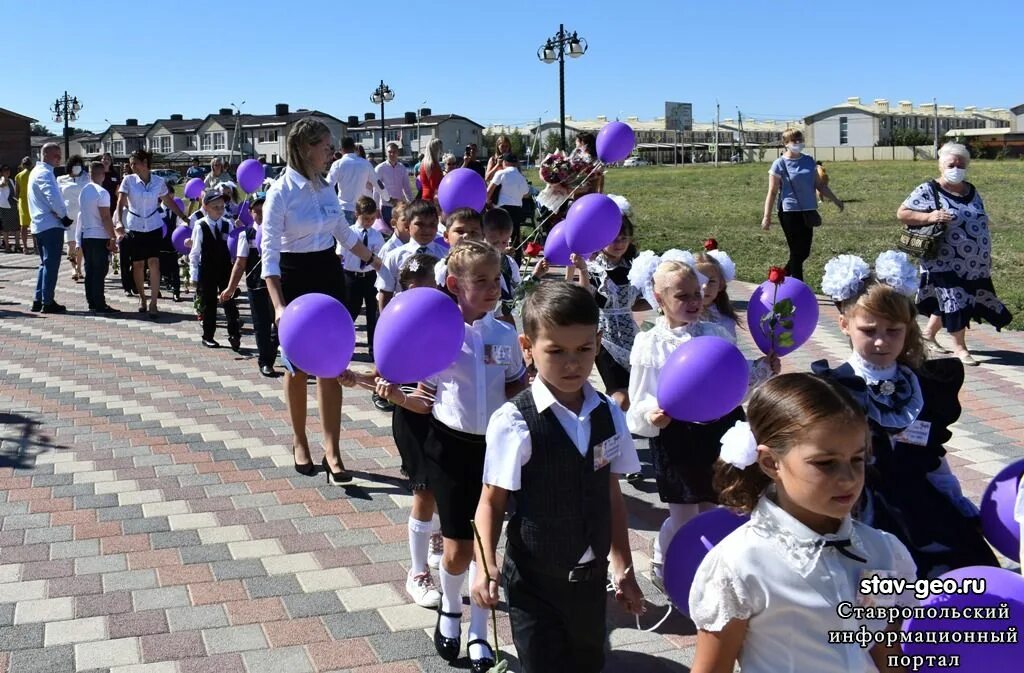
<point>718,121</point>
<point>935,112</point>
<point>743,136</point>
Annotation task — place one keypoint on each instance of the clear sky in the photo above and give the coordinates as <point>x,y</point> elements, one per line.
<point>779,60</point>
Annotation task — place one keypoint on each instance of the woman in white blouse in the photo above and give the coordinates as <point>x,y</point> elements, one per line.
<point>301,221</point>
<point>71,185</point>
<point>140,220</point>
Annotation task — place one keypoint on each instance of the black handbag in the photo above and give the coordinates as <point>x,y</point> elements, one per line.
<point>924,242</point>
<point>811,218</point>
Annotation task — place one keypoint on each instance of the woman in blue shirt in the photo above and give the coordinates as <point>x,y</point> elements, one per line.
<point>792,182</point>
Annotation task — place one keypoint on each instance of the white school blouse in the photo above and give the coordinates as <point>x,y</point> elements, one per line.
<point>143,211</point>
<point>387,280</point>
<point>777,573</point>
<point>374,242</point>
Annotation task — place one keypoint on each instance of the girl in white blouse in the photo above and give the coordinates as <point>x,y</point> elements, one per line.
<point>770,594</point>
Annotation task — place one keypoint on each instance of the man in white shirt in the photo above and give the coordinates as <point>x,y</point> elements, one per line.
<point>507,190</point>
<point>392,182</point>
<point>353,176</point>
<point>49,217</point>
<point>96,229</point>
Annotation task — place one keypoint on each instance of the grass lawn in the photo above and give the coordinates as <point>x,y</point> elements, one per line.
<point>682,206</point>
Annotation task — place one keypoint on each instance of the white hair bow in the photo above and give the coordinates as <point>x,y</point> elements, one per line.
<point>739,448</point>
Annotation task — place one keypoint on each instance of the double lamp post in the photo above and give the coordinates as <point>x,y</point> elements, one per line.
<point>65,109</point>
<point>554,50</point>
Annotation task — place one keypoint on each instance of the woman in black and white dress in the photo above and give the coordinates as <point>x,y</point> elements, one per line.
<point>301,221</point>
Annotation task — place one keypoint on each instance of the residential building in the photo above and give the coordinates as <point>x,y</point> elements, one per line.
<point>414,131</point>
<point>15,137</point>
<point>123,139</point>
<point>1018,118</point>
<point>75,144</point>
<point>175,134</point>
<point>860,125</point>
<point>258,135</point>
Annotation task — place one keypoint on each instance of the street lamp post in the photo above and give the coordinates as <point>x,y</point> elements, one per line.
<point>383,94</point>
<point>65,109</point>
<point>554,50</point>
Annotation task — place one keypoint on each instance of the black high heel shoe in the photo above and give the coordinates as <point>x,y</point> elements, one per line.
<point>305,469</point>
<point>447,648</point>
<point>483,664</point>
<point>342,477</point>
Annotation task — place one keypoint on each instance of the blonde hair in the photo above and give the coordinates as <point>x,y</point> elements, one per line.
<point>306,132</point>
<point>468,255</point>
<point>881,300</point>
<point>705,263</point>
<point>671,268</point>
<point>791,135</point>
<point>432,156</point>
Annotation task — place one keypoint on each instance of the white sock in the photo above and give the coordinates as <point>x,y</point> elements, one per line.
<point>678,515</point>
<point>419,544</point>
<point>435,524</point>
<point>451,601</point>
<point>477,621</point>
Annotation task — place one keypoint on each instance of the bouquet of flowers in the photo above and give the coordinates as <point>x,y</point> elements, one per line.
<point>564,174</point>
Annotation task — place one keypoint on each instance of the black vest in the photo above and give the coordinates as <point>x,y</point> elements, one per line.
<point>253,268</point>
<point>214,260</point>
<point>507,291</point>
<point>563,505</point>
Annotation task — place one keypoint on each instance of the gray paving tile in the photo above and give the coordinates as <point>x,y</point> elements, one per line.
<point>119,513</point>
<point>130,580</point>
<point>57,659</point>
<point>319,524</point>
<point>74,549</point>
<point>205,554</point>
<point>358,537</point>
<point>160,598</point>
<point>284,512</point>
<point>290,659</point>
<point>23,521</point>
<point>240,569</point>
<point>55,534</point>
<point>21,637</point>
<point>157,524</point>
<point>313,605</point>
<point>413,644</point>
<point>355,624</point>
<point>174,539</point>
<point>197,618</point>
<point>95,501</point>
<point>264,587</point>
<point>6,614</point>
<point>234,639</point>
<point>101,564</point>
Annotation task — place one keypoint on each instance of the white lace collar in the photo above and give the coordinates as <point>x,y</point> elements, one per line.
<point>691,329</point>
<point>872,373</point>
<point>799,545</point>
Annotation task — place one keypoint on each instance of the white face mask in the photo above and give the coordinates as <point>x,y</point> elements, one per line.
<point>76,170</point>
<point>795,148</point>
<point>954,175</point>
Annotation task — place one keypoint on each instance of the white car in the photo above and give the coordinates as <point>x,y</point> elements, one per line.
<point>635,161</point>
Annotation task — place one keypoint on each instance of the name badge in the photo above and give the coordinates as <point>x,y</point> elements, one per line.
<point>606,452</point>
<point>916,434</point>
<point>878,599</point>
<point>497,354</point>
<point>331,210</point>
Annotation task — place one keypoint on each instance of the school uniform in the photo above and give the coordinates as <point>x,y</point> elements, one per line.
<point>465,396</point>
<point>170,273</point>
<point>143,220</point>
<point>260,306</point>
<point>210,265</point>
<point>615,296</point>
<point>511,279</point>
<point>387,279</point>
<point>559,464</point>
<point>361,279</point>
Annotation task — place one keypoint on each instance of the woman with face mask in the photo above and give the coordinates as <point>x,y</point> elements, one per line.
<point>793,186</point>
<point>71,184</point>
<point>956,286</point>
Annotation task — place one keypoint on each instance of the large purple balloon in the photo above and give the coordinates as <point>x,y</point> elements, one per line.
<point>178,238</point>
<point>245,214</point>
<point>178,202</point>
<point>194,188</point>
<point>615,142</point>
<point>688,548</point>
<point>317,335</point>
<point>1001,586</point>
<point>703,379</point>
<point>250,175</point>
<point>427,318</point>
<point>462,188</point>
<point>443,243</point>
<point>233,240</point>
<point>556,248</point>
<point>592,222</point>
<point>805,315</point>
<point>997,504</point>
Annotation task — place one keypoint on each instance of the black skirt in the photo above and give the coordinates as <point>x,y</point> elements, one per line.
<point>410,431</point>
<point>144,245</point>
<point>455,469</point>
<point>684,456</point>
<point>309,272</point>
<point>613,375</point>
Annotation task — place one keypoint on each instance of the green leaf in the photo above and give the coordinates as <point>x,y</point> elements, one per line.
<point>788,324</point>
<point>785,339</point>
<point>784,306</point>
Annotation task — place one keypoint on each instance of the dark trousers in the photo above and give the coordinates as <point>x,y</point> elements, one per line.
<point>97,261</point>
<point>210,290</point>
<point>170,272</point>
<point>799,238</point>
<point>359,291</point>
<point>557,626</point>
<point>125,261</point>
<point>262,323</point>
<point>517,214</point>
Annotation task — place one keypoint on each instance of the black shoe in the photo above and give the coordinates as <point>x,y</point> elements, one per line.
<point>210,343</point>
<point>107,309</point>
<point>382,404</point>
<point>483,664</point>
<point>343,477</point>
<point>235,342</point>
<point>635,477</point>
<point>268,371</point>
<point>447,648</point>
<point>37,306</point>
<point>54,307</point>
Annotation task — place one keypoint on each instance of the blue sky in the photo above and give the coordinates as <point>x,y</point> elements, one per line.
<point>780,60</point>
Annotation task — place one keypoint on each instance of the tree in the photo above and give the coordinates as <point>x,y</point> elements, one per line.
<point>906,138</point>
<point>40,130</point>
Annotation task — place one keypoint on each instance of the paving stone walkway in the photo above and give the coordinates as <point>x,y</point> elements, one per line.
<point>151,521</point>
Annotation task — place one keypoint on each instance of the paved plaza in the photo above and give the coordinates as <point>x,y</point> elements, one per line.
<point>151,520</point>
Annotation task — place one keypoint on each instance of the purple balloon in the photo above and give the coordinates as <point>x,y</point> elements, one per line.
<point>592,222</point>
<point>258,240</point>
<point>805,315</point>
<point>250,175</point>
<point>424,316</point>
<point>232,241</point>
<point>178,202</point>
<point>615,142</point>
<point>556,248</point>
<point>317,335</point>
<point>178,238</point>
<point>382,226</point>
<point>462,188</point>
<point>688,548</point>
<point>194,188</point>
<point>703,379</point>
<point>1001,586</point>
<point>245,215</point>
<point>997,504</point>
<point>443,243</point>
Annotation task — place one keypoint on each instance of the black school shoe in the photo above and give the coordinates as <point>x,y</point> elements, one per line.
<point>210,343</point>
<point>447,648</point>
<point>54,307</point>
<point>235,342</point>
<point>268,371</point>
<point>382,404</point>
<point>37,306</point>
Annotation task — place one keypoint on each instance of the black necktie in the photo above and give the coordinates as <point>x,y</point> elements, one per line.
<point>422,249</point>
<point>366,244</point>
<point>841,546</point>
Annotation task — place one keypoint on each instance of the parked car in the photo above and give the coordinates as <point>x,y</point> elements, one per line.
<point>169,176</point>
<point>632,162</point>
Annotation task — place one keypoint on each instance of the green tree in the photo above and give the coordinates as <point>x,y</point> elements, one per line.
<point>40,130</point>
<point>906,138</point>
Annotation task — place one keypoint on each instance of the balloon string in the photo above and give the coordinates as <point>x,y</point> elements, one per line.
<point>611,587</point>
<point>707,543</point>
<point>540,227</point>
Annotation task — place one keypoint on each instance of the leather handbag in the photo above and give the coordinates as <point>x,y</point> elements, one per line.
<point>923,242</point>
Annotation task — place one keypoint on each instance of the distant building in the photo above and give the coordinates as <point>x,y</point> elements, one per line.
<point>123,139</point>
<point>174,134</point>
<point>15,138</point>
<point>414,131</point>
<point>258,135</point>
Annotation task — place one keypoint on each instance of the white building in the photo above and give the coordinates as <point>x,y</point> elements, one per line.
<point>123,139</point>
<point>258,135</point>
<point>413,132</point>
<point>175,134</point>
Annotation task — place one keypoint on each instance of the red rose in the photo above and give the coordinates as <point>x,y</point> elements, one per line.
<point>776,275</point>
<point>534,249</point>
<point>710,244</point>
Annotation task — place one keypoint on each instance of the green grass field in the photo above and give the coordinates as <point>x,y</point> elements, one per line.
<point>682,206</point>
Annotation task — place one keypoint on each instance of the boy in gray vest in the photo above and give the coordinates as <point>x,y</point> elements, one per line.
<point>560,446</point>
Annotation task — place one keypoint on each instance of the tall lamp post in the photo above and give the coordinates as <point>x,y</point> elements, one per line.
<point>382,94</point>
<point>65,109</point>
<point>554,50</point>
